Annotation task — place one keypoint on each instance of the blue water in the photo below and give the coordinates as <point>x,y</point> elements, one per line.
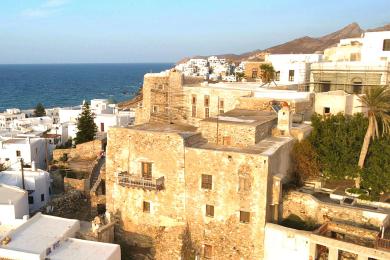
<point>23,86</point>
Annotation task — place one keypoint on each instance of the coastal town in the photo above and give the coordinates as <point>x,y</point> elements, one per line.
<point>278,156</point>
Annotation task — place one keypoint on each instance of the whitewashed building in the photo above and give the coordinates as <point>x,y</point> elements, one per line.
<point>13,204</point>
<point>48,237</point>
<point>9,115</point>
<point>292,68</point>
<point>106,115</point>
<point>37,182</point>
<point>29,149</point>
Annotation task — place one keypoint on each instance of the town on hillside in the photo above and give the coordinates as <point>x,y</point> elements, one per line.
<point>279,156</point>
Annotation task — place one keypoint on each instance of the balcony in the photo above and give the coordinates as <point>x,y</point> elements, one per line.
<point>130,180</point>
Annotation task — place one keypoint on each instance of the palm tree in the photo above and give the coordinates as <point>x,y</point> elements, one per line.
<point>267,73</point>
<point>377,102</point>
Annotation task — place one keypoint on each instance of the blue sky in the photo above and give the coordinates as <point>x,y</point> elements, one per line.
<point>78,31</point>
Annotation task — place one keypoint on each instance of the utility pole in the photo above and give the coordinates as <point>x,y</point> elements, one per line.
<point>46,155</point>
<point>21,167</point>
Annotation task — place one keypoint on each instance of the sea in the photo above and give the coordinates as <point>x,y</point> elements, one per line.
<point>62,85</point>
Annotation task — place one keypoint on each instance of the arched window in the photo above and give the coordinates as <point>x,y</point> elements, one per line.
<point>357,85</point>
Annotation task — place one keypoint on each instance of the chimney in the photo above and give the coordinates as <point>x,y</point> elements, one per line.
<point>284,119</point>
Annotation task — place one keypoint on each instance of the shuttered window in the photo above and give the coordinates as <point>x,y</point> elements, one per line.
<point>207,181</point>
<point>146,170</point>
<point>244,217</point>
<point>208,251</point>
<point>209,210</point>
<point>386,45</point>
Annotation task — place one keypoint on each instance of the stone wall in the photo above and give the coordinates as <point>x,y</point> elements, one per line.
<point>76,184</point>
<point>224,230</point>
<point>85,151</point>
<point>229,98</point>
<point>164,230</point>
<point>308,207</point>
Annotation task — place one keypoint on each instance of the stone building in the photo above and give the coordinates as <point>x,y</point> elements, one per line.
<point>206,191</point>
<point>170,97</point>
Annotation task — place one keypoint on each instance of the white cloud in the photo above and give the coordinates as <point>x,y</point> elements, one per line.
<point>46,9</point>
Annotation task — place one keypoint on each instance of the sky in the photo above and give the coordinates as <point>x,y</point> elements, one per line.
<point>125,31</point>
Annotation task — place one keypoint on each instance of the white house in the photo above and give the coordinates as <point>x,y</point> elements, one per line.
<point>334,102</point>
<point>9,115</point>
<point>13,204</point>
<point>48,237</point>
<point>292,68</point>
<point>376,46</point>
<point>29,149</point>
<point>37,183</point>
<point>106,115</point>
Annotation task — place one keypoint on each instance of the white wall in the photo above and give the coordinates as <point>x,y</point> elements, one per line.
<point>299,63</point>
<point>372,50</point>
<point>338,102</point>
<point>285,243</point>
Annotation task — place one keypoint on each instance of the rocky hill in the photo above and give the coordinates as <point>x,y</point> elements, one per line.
<point>304,44</point>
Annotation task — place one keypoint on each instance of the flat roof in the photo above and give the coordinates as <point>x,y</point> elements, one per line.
<point>39,233</point>
<point>265,147</point>
<point>10,194</point>
<point>20,140</point>
<point>168,128</point>
<point>243,116</point>
<point>73,248</point>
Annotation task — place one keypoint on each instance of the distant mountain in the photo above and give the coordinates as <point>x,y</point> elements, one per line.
<point>304,44</point>
<point>310,45</point>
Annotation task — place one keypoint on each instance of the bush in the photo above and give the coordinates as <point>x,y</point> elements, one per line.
<point>306,161</point>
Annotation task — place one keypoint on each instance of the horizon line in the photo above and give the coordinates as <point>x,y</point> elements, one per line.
<point>86,63</point>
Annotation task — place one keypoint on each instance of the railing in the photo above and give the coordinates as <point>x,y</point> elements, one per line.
<point>383,242</point>
<point>129,180</point>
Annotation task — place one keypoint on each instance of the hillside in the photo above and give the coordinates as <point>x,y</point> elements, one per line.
<point>304,44</point>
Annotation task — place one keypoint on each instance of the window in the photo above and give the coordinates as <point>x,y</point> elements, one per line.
<point>208,251</point>
<point>193,102</point>
<point>42,197</point>
<point>244,217</point>
<point>193,111</point>
<point>277,76</point>
<point>326,110</point>
<point>254,73</point>
<point>206,112</point>
<point>355,57</point>
<point>291,75</point>
<point>206,101</point>
<point>155,109</point>
<point>209,211</point>
<point>146,170</point>
<point>226,140</point>
<point>324,86</point>
<point>146,207</point>
<point>30,200</point>
<point>17,153</point>
<point>386,45</point>
<point>207,181</point>
<point>243,184</point>
<point>221,106</point>
<point>357,87</point>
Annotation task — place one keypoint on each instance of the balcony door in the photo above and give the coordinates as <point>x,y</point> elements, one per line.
<point>146,170</point>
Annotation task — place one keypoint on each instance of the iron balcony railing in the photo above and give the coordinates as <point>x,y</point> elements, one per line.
<point>130,180</point>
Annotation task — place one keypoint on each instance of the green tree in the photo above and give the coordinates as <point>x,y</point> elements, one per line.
<point>267,73</point>
<point>306,161</point>
<point>377,102</point>
<point>337,140</point>
<point>376,173</point>
<point>86,126</point>
<point>39,110</point>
